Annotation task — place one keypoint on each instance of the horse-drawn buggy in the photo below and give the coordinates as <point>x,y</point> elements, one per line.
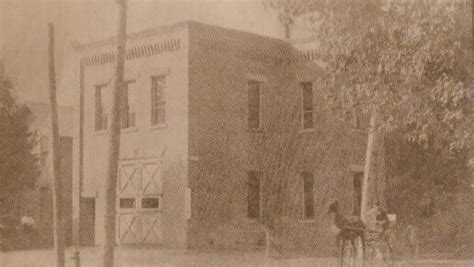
<point>376,237</point>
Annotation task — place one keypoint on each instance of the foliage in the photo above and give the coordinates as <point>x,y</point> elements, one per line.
<point>18,166</point>
<point>406,60</point>
<point>433,192</point>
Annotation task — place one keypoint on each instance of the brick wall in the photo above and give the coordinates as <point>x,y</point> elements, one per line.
<point>221,62</point>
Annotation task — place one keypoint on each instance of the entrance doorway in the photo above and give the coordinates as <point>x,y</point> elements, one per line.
<point>139,202</point>
<point>87,221</point>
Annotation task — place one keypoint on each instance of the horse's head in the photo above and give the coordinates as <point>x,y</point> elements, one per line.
<point>333,207</point>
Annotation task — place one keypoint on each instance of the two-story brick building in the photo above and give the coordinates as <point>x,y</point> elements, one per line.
<point>209,114</point>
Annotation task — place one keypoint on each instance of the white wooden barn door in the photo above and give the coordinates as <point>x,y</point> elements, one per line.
<point>139,202</point>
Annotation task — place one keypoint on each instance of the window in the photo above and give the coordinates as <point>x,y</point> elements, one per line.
<point>307,105</point>
<point>100,108</point>
<point>44,160</point>
<point>127,203</point>
<point>150,203</point>
<point>158,102</point>
<point>308,195</point>
<point>44,143</point>
<point>253,195</point>
<point>355,119</point>
<point>127,110</point>
<point>254,95</point>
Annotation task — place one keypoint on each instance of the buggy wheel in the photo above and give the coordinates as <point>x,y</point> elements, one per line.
<point>348,254</point>
<point>388,256</point>
<point>370,253</point>
<point>375,250</point>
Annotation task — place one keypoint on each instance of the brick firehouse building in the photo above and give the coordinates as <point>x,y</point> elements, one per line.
<point>199,101</point>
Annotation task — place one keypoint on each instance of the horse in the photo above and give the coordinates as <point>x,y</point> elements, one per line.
<point>351,228</point>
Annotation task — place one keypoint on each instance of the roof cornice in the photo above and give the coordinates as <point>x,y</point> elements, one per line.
<point>79,47</point>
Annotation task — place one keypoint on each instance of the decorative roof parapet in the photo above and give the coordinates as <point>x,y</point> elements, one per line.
<point>146,50</point>
<point>308,55</point>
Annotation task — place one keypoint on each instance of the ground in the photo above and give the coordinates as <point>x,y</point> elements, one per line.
<point>164,257</point>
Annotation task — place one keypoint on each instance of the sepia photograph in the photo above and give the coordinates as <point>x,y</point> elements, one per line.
<point>236,133</point>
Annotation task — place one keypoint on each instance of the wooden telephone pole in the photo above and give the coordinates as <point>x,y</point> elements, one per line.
<point>114,140</point>
<point>56,160</point>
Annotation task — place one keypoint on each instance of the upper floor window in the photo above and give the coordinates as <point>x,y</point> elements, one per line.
<point>158,101</point>
<point>126,107</point>
<point>308,195</point>
<point>253,194</point>
<point>355,119</point>
<point>254,101</point>
<point>100,108</point>
<point>307,105</point>
<point>44,143</point>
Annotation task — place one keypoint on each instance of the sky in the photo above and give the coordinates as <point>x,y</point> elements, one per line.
<point>24,31</point>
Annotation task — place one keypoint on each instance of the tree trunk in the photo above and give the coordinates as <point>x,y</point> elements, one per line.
<point>368,162</point>
<point>114,141</point>
<point>56,160</point>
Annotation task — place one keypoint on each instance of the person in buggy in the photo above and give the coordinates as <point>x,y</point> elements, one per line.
<point>378,223</point>
<point>377,219</point>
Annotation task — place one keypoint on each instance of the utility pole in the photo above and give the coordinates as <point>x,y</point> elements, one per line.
<point>56,160</point>
<point>80,172</point>
<point>114,140</point>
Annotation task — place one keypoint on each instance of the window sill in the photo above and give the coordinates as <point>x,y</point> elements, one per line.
<point>123,130</point>
<point>252,221</point>
<point>90,194</point>
<point>101,132</point>
<point>307,221</point>
<point>255,130</point>
<point>309,130</point>
<point>159,126</point>
<point>358,130</point>
<point>129,130</point>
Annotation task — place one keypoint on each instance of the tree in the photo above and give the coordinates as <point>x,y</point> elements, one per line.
<point>18,164</point>
<point>404,63</point>
<point>431,191</point>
